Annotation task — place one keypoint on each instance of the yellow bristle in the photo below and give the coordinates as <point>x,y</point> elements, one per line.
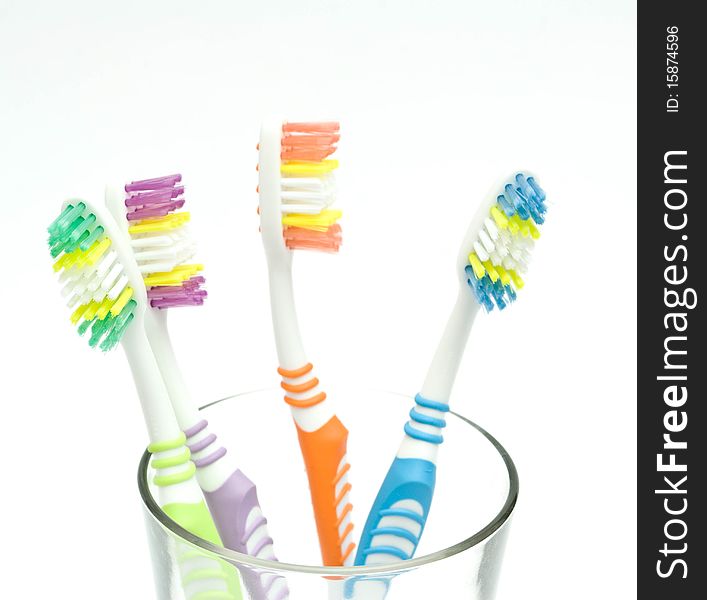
<point>91,310</point>
<point>513,226</point>
<point>517,279</point>
<point>307,169</point>
<point>476,264</point>
<point>319,222</point>
<point>104,308</point>
<point>522,225</point>
<point>499,218</point>
<point>534,231</point>
<point>505,277</point>
<point>97,250</point>
<point>59,263</point>
<point>121,301</point>
<point>174,277</point>
<point>493,274</point>
<point>81,260</point>
<point>78,313</point>
<point>171,221</point>
<point>72,258</point>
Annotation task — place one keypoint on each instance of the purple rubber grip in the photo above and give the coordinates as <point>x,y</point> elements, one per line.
<point>230,506</point>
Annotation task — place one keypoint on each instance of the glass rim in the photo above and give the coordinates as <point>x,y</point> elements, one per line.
<point>498,521</point>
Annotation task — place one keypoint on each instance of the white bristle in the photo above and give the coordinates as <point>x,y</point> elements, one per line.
<point>480,251</point>
<point>105,263</point>
<point>163,252</point>
<point>142,241</point>
<point>112,277</point>
<point>486,241</point>
<point>307,195</point>
<point>491,229</point>
<point>118,287</point>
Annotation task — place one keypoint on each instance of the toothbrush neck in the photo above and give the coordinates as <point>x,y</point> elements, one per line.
<point>290,352</point>
<point>158,334</point>
<point>156,406</point>
<point>445,363</point>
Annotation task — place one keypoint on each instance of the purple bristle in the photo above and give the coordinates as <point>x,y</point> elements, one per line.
<point>155,210</point>
<point>189,293</point>
<point>152,198</point>
<point>153,184</point>
<point>163,195</point>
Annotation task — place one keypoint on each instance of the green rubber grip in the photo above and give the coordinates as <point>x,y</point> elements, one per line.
<point>196,519</point>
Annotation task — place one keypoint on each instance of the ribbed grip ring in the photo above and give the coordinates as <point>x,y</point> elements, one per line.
<point>171,461</point>
<point>200,445</point>
<point>425,419</point>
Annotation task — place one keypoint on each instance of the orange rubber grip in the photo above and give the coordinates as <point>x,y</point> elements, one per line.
<point>323,451</point>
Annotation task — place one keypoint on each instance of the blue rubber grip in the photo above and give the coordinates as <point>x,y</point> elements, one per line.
<point>407,479</point>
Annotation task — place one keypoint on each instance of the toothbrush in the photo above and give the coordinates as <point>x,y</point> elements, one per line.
<point>493,255</point>
<point>104,287</point>
<point>154,226</point>
<point>296,189</point>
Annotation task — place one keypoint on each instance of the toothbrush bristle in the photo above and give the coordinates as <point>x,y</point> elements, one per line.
<point>501,252</point>
<point>93,279</point>
<point>161,242</point>
<point>307,186</point>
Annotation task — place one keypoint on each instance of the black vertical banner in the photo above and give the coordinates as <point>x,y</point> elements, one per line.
<point>672,263</point>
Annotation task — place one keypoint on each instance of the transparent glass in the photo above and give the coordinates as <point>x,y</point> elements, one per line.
<point>460,553</point>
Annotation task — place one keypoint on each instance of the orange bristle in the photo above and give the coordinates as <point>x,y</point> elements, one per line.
<point>311,127</point>
<point>309,141</point>
<point>297,238</point>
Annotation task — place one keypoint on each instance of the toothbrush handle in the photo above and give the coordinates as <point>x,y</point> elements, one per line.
<point>195,518</point>
<point>231,506</point>
<point>399,512</point>
<point>240,521</point>
<point>324,453</point>
<point>181,500</point>
<point>179,494</point>
<point>203,576</point>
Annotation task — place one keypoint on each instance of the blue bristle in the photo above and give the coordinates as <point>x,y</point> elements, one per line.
<point>520,202</point>
<point>537,217</point>
<point>506,205</point>
<point>511,293</point>
<point>498,293</point>
<point>474,284</point>
<point>486,285</point>
<point>539,193</point>
<point>487,293</point>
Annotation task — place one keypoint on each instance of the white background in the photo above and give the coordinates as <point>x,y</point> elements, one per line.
<point>436,100</point>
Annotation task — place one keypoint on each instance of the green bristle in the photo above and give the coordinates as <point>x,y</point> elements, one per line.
<point>118,330</point>
<point>55,223</point>
<point>93,236</point>
<point>85,325</point>
<point>100,327</point>
<point>73,245</point>
<point>63,237</point>
<point>82,231</point>
<point>66,219</point>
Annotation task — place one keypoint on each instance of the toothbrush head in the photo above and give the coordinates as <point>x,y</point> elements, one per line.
<point>301,184</point>
<point>497,247</point>
<point>98,279</point>
<point>161,242</point>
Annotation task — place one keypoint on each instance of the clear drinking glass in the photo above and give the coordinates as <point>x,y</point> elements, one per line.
<point>461,550</point>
